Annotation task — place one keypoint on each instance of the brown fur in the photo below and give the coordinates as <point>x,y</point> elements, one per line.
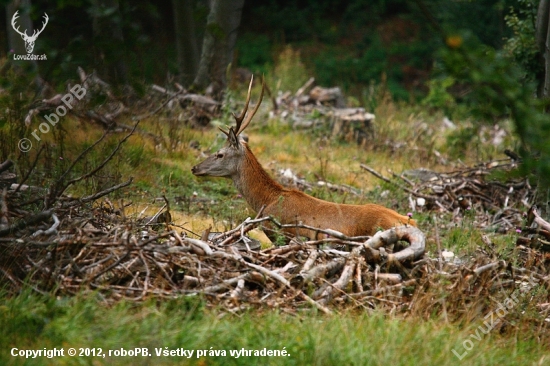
<point>290,206</point>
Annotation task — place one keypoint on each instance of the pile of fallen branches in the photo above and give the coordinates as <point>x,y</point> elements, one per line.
<point>492,204</point>
<point>104,251</point>
<point>496,204</point>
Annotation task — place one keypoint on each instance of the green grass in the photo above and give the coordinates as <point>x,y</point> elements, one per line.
<point>36,322</point>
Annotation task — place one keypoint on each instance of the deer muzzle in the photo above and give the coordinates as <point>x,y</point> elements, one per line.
<point>196,170</point>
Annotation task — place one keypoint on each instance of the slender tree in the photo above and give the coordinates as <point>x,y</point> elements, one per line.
<point>218,44</point>
<point>542,36</point>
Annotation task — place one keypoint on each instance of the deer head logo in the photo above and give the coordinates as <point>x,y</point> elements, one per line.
<point>29,40</point>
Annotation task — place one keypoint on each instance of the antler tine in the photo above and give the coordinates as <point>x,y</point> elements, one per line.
<point>249,117</point>
<point>239,119</point>
<point>224,131</point>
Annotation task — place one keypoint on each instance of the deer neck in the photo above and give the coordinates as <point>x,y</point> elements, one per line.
<point>253,182</point>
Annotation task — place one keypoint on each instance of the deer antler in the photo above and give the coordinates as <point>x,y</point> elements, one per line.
<point>15,16</point>
<point>240,124</point>
<point>239,119</point>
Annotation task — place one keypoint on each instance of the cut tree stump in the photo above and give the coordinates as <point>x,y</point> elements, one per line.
<point>353,125</point>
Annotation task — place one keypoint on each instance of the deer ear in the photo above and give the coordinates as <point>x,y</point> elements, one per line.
<point>232,138</point>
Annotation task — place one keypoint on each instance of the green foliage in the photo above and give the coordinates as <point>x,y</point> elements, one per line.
<point>254,52</point>
<point>497,90</point>
<point>439,96</point>
<point>522,44</point>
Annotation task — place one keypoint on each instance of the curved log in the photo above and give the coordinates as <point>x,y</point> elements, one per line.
<point>407,233</point>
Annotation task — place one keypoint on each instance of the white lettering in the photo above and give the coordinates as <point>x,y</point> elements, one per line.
<point>67,99</point>
<point>46,127</point>
<point>78,91</point>
<point>62,109</point>
<point>52,118</point>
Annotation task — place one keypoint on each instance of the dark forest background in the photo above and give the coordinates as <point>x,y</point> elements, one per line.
<point>347,43</point>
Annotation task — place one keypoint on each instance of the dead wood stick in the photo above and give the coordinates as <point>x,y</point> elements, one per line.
<point>19,186</point>
<point>285,249</point>
<point>153,238</point>
<point>490,266</point>
<point>285,282</point>
<point>199,244</point>
<point>417,194</point>
<point>112,266</point>
<point>545,225</point>
<point>235,233</point>
<point>342,282</point>
<point>78,158</point>
<point>52,230</point>
<point>104,162</point>
<point>390,277</point>
<point>97,195</point>
<point>190,281</point>
<point>318,271</point>
<point>304,87</point>
<point>11,278</point>
<point>385,290</point>
<point>238,290</point>
<point>357,276</point>
<point>42,216</point>
<point>156,110</point>
<point>411,234</point>
<point>147,275</point>
<point>4,209</point>
<point>533,274</point>
<point>438,242</point>
<point>270,95</point>
<point>226,284</point>
<point>155,216</point>
<point>6,165</point>
<point>310,261</point>
<point>241,229</point>
<point>121,269</point>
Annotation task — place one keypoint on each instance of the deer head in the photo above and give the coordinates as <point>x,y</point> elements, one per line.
<point>29,40</point>
<point>227,161</point>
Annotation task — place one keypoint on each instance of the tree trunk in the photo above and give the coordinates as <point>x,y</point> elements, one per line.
<point>186,41</point>
<point>219,41</point>
<point>542,35</point>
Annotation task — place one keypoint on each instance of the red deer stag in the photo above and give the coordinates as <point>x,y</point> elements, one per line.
<point>237,162</point>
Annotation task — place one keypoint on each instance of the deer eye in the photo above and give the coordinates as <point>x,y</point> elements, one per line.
<point>219,155</point>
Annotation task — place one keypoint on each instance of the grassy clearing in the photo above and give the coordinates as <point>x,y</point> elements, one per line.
<point>36,322</point>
